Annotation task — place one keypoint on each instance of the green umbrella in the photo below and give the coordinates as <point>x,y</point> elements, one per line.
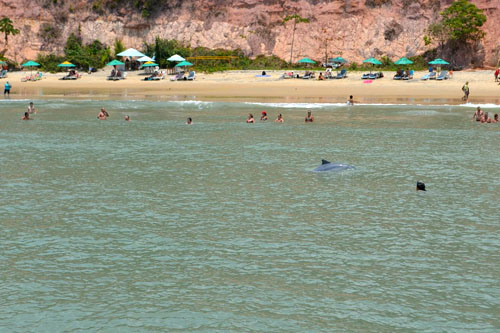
<point>115,63</point>
<point>30,63</point>
<point>403,61</point>
<point>150,64</point>
<point>339,60</point>
<point>372,61</point>
<point>306,61</point>
<point>184,64</point>
<point>2,62</point>
<point>438,62</point>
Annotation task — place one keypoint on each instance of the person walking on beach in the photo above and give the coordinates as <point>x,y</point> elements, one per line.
<point>6,90</point>
<point>31,108</point>
<point>497,71</point>
<point>466,91</point>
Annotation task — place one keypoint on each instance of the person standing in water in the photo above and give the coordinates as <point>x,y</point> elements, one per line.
<point>350,101</point>
<point>250,119</point>
<point>102,115</point>
<point>127,118</point>
<point>26,116</point>
<point>279,119</point>
<point>263,116</point>
<point>189,121</point>
<point>466,91</point>
<point>309,117</point>
<point>6,90</point>
<point>31,108</point>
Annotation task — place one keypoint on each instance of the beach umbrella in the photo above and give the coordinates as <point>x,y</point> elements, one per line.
<point>66,64</point>
<point>306,61</point>
<point>2,62</point>
<point>184,64</point>
<point>130,53</point>
<point>144,59</point>
<point>176,58</point>
<point>149,64</point>
<point>438,62</point>
<point>372,61</point>
<point>339,60</point>
<point>30,64</point>
<point>403,61</point>
<point>115,63</point>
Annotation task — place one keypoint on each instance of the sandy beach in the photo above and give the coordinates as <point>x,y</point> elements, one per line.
<point>245,86</point>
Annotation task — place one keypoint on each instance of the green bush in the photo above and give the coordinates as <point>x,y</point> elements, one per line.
<point>49,62</point>
<point>95,54</point>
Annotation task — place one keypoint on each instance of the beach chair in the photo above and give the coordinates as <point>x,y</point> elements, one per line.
<point>432,75</point>
<point>408,76</point>
<point>177,77</point>
<point>191,76</point>
<point>426,76</point>
<point>308,75</point>
<point>342,74</point>
<point>442,76</point>
<point>112,75</point>
<point>398,76</point>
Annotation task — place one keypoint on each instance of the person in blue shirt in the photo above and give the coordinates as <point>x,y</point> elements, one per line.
<point>6,90</point>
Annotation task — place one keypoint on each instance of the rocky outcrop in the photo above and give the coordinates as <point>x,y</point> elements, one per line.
<point>355,29</point>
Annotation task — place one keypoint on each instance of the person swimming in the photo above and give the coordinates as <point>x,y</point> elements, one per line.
<point>309,117</point>
<point>127,118</point>
<point>279,119</point>
<point>102,115</point>
<point>263,116</point>
<point>189,121</point>
<point>31,108</point>
<point>495,118</point>
<point>421,186</point>
<point>105,112</point>
<point>26,116</point>
<point>250,119</point>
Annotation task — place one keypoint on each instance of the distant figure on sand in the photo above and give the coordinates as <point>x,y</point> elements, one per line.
<point>6,90</point>
<point>102,115</point>
<point>263,116</point>
<point>26,116</point>
<point>497,71</point>
<point>279,119</point>
<point>466,91</point>
<point>309,117</point>
<point>250,119</point>
<point>127,118</point>
<point>31,108</point>
<point>189,121</point>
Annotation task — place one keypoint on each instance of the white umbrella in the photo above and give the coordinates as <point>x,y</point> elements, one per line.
<point>145,59</point>
<point>131,53</point>
<point>176,57</point>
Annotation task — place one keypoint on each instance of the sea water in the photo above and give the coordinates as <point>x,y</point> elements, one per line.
<point>153,225</point>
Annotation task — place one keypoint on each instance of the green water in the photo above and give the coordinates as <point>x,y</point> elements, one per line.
<point>152,225</point>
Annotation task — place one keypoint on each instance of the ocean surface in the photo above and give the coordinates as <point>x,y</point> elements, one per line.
<point>153,225</point>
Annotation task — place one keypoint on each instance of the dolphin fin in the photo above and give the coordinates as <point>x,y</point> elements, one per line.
<point>323,162</point>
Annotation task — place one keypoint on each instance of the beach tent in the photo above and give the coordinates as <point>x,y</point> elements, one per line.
<point>30,64</point>
<point>131,53</point>
<point>372,61</point>
<point>176,58</point>
<point>145,59</point>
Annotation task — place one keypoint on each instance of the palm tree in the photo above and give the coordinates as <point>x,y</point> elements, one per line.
<point>7,28</point>
<point>296,19</point>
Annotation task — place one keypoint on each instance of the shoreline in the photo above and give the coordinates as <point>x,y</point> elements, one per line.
<point>243,86</point>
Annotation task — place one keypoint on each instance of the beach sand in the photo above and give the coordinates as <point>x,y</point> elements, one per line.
<point>245,86</point>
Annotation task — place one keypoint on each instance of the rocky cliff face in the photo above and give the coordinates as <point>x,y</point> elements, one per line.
<point>355,29</point>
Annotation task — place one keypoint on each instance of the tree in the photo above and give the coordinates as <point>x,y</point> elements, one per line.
<point>119,48</point>
<point>439,32</point>
<point>7,28</point>
<point>463,21</point>
<point>296,19</point>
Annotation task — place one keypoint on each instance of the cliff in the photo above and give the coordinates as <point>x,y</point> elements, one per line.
<point>355,29</point>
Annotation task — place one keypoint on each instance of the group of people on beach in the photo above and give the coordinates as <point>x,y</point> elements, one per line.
<point>483,117</point>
